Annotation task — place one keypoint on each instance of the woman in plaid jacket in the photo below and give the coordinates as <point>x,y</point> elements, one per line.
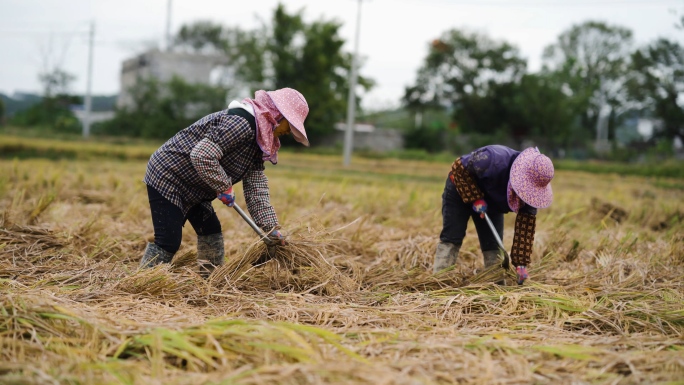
<point>203,162</point>
<point>497,180</point>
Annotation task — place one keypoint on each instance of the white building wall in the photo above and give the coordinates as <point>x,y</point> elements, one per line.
<point>379,139</point>
<point>193,68</point>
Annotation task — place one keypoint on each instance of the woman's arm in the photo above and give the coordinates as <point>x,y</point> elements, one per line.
<point>255,188</point>
<point>226,133</point>
<point>205,158</point>
<point>465,183</point>
<point>464,177</point>
<point>523,238</point>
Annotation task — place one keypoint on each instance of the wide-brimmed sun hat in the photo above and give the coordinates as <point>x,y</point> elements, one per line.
<point>530,179</point>
<point>293,106</point>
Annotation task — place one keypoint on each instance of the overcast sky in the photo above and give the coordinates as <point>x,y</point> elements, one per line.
<point>394,34</point>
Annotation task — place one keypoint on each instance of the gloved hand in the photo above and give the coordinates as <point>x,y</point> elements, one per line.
<point>227,197</point>
<point>277,238</point>
<point>480,206</point>
<point>521,271</point>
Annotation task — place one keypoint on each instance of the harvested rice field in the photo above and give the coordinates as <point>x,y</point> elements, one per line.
<point>351,300</point>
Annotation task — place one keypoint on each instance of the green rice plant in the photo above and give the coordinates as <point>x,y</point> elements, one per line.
<point>43,203</point>
<point>577,352</point>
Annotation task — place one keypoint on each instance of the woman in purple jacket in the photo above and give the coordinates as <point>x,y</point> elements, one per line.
<point>494,179</point>
<point>203,162</point>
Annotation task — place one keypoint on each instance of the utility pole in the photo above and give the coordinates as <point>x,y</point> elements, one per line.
<point>351,102</point>
<point>168,25</point>
<point>602,144</point>
<point>89,82</point>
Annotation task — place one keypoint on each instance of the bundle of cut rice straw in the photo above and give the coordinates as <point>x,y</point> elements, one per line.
<point>299,266</point>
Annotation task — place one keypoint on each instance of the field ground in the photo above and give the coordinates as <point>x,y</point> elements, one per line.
<point>604,304</point>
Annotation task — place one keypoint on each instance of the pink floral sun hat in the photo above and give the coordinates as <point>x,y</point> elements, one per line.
<point>293,106</point>
<point>530,180</point>
<point>269,108</point>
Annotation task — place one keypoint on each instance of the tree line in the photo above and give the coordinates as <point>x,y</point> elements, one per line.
<point>591,76</point>
<point>592,79</point>
<point>288,52</point>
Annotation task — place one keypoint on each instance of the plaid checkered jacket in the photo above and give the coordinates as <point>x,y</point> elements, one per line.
<point>209,157</point>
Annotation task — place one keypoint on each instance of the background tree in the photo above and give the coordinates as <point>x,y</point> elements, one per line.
<point>288,52</point>
<point>536,109</point>
<point>309,58</point>
<point>244,50</point>
<point>56,82</point>
<point>201,37</point>
<point>2,112</point>
<point>160,110</point>
<point>54,111</point>
<point>590,62</point>
<point>658,82</point>
<point>463,71</point>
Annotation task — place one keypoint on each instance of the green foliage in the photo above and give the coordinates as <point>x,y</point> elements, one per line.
<point>398,118</point>
<point>590,61</point>
<point>25,148</point>
<point>162,109</point>
<point>309,58</point>
<point>12,106</point>
<point>422,130</point>
<point>536,109</point>
<point>56,82</point>
<point>657,81</point>
<point>2,112</point>
<point>201,36</point>
<point>72,148</point>
<point>52,114</point>
<point>283,45</point>
<point>243,49</point>
<point>484,83</point>
<point>460,71</point>
<point>287,53</point>
<point>426,138</point>
<point>467,72</point>
<point>668,169</point>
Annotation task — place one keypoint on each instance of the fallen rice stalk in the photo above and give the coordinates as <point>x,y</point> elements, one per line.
<point>299,266</point>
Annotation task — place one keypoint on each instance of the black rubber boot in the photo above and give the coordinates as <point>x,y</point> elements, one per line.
<point>154,255</point>
<point>210,253</point>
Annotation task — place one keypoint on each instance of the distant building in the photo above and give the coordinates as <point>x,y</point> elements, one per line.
<point>367,137</point>
<point>163,66</point>
<point>95,116</point>
<point>358,127</point>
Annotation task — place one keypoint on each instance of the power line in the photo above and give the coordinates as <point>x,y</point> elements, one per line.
<point>23,33</point>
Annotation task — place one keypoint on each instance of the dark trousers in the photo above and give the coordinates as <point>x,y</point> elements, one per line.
<point>168,221</point>
<point>455,216</point>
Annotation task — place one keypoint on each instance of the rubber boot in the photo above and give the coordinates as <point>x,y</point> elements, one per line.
<point>491,258</point>
<point>154,255</point>
<point>445,256</point>
<point>210,253</point>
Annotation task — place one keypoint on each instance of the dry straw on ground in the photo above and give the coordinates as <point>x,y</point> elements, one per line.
<point>351,299</point>
<point>298,266</point>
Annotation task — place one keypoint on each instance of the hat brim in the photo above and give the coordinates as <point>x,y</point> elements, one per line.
<point>532,194</point>
<point>295,120</point>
